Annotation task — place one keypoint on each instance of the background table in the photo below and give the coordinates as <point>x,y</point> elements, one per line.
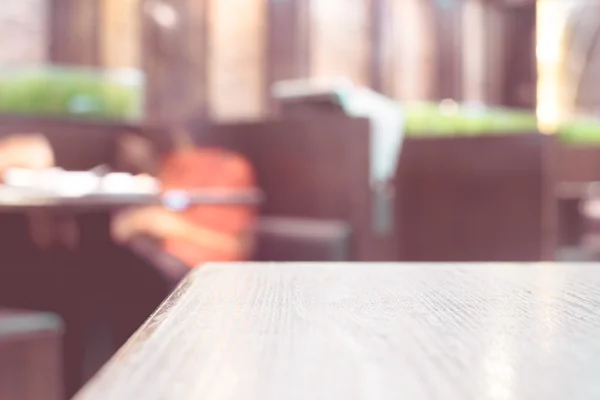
<point>18,200</point>
<point>367,331</point>
<point>102,292</point>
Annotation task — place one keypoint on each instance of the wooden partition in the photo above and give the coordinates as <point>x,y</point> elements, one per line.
<point>477,199</point>
<point>310,168</point>
<point>458,198</point>
<point>78,144</point>
<point>578,163</point>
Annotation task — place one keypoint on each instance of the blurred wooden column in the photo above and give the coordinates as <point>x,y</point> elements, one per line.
<point>474,51</point>
<point>174,52</point>
<point>340,42</point>
<point>483,54</point>
<point>287,42</point>
<point>381,35</point>
<point>236,59</point>
<point>120,34</point>
<point>495,53</point>
<point>74,31</point>
<point>204,57</point>
<point>520,65</point>
<point>448,20</point>
<point>320,39</point>
<point>23,32</point>
<point>388,45</point>
<point>413,52</point>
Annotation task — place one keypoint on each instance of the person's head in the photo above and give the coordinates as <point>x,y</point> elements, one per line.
<point>136,154</point>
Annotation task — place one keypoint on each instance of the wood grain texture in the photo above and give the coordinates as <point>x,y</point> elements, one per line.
<point>367,331</point>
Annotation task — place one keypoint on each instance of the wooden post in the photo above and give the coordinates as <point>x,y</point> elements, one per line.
<point>414,51</point>
<point>174,37</point>
<point>287,42</point>
<point>74,32</point>
<point>120,33</point>
<point>483,38</point>
<point>23,32</point>
<point>448,20</point>
<point>339,40</point>
<point>236,59</point>
<point>474,51</point>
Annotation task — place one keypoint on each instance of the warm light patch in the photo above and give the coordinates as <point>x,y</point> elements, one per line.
<point>551,18</point>
<point>448,107</point>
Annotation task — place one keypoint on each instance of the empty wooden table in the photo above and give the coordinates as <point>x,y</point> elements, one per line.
<point>367,331</point>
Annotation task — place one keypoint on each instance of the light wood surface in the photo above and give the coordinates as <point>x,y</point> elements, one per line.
<point>367,331</point>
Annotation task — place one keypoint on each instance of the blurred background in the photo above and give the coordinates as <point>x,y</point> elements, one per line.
<point>221,57</point>
<point>377,130</point>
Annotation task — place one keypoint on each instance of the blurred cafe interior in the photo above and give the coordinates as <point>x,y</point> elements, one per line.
<point>142,138</point>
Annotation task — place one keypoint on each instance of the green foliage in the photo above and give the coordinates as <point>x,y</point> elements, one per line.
<point>430,120</point>
<point>69,92</point>
<point>581,132</point>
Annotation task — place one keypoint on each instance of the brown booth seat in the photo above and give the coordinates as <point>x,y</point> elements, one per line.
<point>30,356</point>
<point>302,239</point>
<point>278,239</point>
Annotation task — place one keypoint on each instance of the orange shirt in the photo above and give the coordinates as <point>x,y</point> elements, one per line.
<point>211,168</point>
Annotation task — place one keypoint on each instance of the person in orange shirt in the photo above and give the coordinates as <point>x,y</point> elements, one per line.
<point>204,232</point>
